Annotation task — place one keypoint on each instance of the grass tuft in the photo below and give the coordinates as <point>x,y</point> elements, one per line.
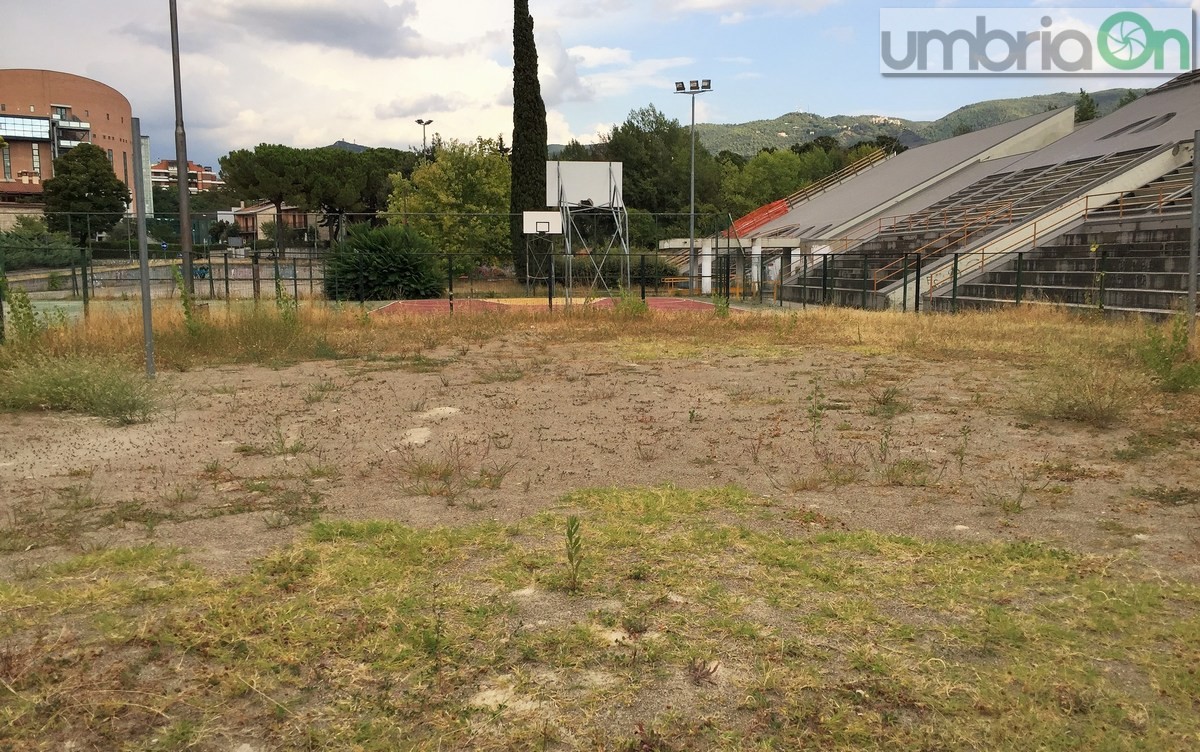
<point>90,385</point>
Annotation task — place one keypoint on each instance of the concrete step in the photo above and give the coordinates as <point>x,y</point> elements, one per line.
<point>1088,280</point>
<point>974,303</point>
<point>1133,299</point>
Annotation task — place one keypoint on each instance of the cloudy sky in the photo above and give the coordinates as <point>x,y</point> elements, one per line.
<point>310,72</point>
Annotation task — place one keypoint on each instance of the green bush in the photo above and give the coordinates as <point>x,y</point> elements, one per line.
<point>92,386</point>
<point>1166,357</point>
<point>26,251</point>
<point>584,271</point>
<point>392,262</point>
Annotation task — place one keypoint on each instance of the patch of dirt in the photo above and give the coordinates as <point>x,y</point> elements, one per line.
<point>245,457</point>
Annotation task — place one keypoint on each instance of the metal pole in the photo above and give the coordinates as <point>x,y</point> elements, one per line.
<point>226,261</point>
<point>917,286</point>
<point>804,284</point>
<point>1020,265</point>
<point>904,285</point>
<point>450,277</point>
<point>181,160</point>
<point>1194,256</point>
<point>692,211</point>
<point>864,281</point>
<point>954,286</point>
<point>642,276</point>
<point>139,191</point>
<point>550,284</point>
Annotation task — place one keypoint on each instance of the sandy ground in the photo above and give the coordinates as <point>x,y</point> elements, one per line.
<point>240,458</point>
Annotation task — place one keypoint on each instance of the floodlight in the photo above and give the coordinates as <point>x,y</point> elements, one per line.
<point>694,85</point>
<point>679,86</point>
<point>706,84</point>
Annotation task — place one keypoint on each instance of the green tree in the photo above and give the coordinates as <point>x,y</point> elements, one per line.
<point>30,244</point>
<point>352,187</point>
<point>576,152</point>
<point>382,263</point>
<point>1085,108</point>
<point>528,174</point>
<point>656,152</point>
<point>460,202</point>
<point>769,176</point>
<point>271,172</point>
<point>84,193</point>
<point>1129,97</point>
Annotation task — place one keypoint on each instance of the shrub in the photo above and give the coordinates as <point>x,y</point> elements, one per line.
<point>610,270</point>
<point>93,386</point>
<point>1094,394</point>
<point>1166,357</point>
<point>30,246</point>
<point>382,263</point>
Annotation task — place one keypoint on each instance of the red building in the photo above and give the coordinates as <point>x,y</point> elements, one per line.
<point>164,173</point>
<point>44,114</point>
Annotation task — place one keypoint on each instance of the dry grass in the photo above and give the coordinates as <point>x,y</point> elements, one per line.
<point>245,334</point>
<point>702,620</point>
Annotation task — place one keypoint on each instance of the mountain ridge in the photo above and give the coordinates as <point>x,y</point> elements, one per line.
<point>748,138</point>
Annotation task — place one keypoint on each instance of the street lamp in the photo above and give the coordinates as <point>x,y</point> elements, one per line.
<point>692,89</point>
<point>424,145</point>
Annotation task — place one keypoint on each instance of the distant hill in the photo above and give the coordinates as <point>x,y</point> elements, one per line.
<point>749,138</point>
<point>347,146</point>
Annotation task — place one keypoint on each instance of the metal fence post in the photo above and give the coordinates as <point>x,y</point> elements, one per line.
<point>917,286</point>
<point>295,281</point>
<point>1020,268</point>
<point>226,260</point>
<point>804,285</point>
<point>450,277</point>
<point>83,278</point>
<point>825,281</point>
<point>954,286</point>
<point>1103,258</point>
<point>212,282</point>
<point>864,281</point>
<point>642,276</point>
<point>904,285</point>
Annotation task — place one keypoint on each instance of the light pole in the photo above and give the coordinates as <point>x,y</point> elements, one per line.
<point>424,144</point>
<point>692,89</point>
<point>181,160</point>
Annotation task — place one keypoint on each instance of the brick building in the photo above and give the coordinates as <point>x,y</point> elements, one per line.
<point>164,174</point>
<point>43,114</point>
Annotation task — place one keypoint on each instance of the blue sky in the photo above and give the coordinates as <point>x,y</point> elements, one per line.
<point>308,72</point>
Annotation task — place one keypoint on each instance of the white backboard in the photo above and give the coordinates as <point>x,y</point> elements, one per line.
<point>542,223</point>
<point>584,184</point>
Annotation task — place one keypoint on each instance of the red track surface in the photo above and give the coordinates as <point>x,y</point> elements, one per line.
<point>475,306</point>
<point>439,306</point>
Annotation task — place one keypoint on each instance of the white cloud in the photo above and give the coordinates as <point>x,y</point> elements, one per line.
<point>596,57</point>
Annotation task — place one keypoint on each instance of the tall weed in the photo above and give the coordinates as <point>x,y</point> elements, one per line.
<point>89,385</point>
<point>1166,356</point>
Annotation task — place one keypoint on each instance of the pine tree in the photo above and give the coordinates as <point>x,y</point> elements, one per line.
<point>529,132</point>
<point>1085,107</point>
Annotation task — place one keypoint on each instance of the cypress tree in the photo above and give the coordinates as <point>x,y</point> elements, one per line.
<point>529,132</point>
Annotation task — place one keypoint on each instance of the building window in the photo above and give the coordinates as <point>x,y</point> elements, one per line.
<point>60,112</point>
<point>110,156</point>
<point>37,158</point>
<point>7,163</point>
<point>125,166</point>
<point>3,107</point>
